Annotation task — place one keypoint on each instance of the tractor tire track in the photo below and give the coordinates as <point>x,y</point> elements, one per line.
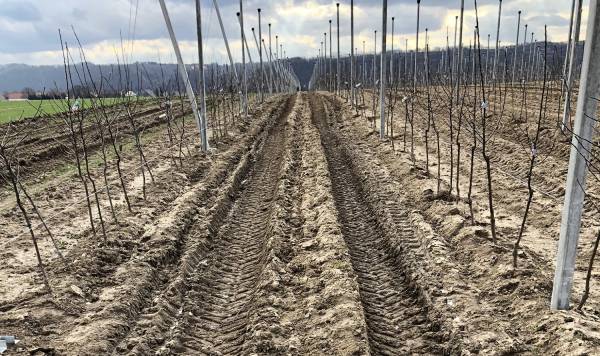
<point>221,296</point>
<point>204,309</point>
<point>396,316</point>
<point>139,300</point>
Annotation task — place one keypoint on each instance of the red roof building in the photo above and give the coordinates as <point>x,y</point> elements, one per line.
<point>16,95</point>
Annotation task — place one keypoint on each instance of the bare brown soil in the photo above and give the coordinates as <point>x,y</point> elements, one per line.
<point>303,234</point>
<point>48,142</point>
<point>515,315</point>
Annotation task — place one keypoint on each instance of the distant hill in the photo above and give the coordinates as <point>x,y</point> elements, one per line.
<point>151,75</point>
<point>303,69</point>
<point>147,75</point>
<point>18,76</point>
<point>49,77</point>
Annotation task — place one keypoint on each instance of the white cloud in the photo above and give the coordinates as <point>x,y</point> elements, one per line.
<point>29,30</point>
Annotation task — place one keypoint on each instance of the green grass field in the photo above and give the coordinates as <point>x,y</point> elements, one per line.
<point>16,110</point>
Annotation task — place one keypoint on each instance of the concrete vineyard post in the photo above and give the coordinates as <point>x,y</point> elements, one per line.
<point>581,144</point>
<point>277,79</point>
<point>218,12</point>
<point>497,53</point>
<point>572,63</point>
<point>487,58</point>
<point>404,74</point>
<point>454,52</point>
<point>182,71</point>
<point>568,49</point>
<point>521,70</point>
<point>338,49</point>
<point>330,79</point>
<point>392,55</point>
<point>363,72</point>
<point>201,77</point>
<point>416,50</point>
<point>245,43</point>
<point>516,48</point>
<point>244,77</point>
<point>271,89</point>
<point>458,67</point>
<point>325,71</point>
<point>374,59</point>
<point>382,78</point>
<point>260,55</point>
<point>352,93</point>
<point>233,67</point>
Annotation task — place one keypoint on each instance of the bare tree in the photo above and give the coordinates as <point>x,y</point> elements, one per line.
<point>588,276</point>
<point>70,123</point>
<point>534,155</point>
<point>10,173</point>
<point>484,135</point>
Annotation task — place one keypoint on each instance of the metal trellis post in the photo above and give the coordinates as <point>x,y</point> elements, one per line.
<point>580,153</point>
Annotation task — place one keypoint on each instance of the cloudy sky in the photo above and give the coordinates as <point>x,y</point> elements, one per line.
<point>29,28</point>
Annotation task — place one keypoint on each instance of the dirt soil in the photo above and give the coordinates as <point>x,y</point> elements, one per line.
<point>500,310</point>
<point>303,234</point>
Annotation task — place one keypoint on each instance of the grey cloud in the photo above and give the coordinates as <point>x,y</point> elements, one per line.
<point>96,21</point>
<point>21,11</point>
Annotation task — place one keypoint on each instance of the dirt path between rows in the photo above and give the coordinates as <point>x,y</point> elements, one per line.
<point>485,305</point>
<point>246,258</point>
<point>396,315</point>
<point>307,235</point>
<point>137,245</point>
<point>510,156</point>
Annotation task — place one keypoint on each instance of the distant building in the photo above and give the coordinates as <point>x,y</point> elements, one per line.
<point>76,106</point>
<point>16,96</point>
<point>130,94</point>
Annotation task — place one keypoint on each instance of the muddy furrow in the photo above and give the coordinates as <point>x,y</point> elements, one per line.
<point>44,149</point>
<point>139,300</point>
<point>396,319</point>
<point>204,308</point>
<point>58,147</point>
<point>221,295</point>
